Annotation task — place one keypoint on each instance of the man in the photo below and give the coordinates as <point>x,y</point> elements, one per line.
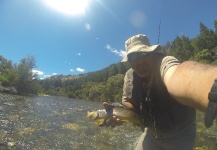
<point>160,90</point>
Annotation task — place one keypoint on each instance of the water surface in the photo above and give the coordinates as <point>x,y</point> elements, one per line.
<point>47,122</point>
<point>57,123</point>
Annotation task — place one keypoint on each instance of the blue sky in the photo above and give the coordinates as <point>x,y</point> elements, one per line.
<point>67,43</point>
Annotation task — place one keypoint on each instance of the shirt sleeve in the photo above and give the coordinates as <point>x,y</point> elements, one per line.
<point>128,86</point>
<point>166,63</point>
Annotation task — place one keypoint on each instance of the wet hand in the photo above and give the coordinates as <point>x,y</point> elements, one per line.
<point>112,121</point>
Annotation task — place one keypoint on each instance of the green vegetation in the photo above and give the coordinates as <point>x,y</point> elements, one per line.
<point>18,78</point>
<point>105,84</point>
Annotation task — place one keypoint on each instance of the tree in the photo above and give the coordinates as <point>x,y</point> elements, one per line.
<point>121,68</point>
<point>203,56</point>
<point>215,24</point>
<point>25,79</point>
<point>113,89</point>
<point>113,70</point>
<point>187,48</point>
<point>207,38</point>
<point>177,49</point>
<point>166,49</point>
<point>204,31</point>
<point>7,73</point>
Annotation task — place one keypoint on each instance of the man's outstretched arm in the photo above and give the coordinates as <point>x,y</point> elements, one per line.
<point>190,82</point>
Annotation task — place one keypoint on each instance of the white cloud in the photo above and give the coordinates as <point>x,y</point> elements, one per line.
<point>71,70</point>
<point>53,74</point>
<point>113,50</point>
<point>108,47</point>
<point>79,54</point>
<point>87,26</point>
<point>37,72</point>
<point>46,76</point>
<point>80,69</point>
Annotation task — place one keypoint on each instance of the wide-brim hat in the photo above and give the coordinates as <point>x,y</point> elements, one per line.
<point>139,43</point>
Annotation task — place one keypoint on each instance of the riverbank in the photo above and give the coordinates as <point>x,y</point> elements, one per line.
<point>9,90</point>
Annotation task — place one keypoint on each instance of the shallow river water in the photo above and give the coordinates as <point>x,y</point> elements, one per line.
<point>57,123</point>
<point>51,123</point>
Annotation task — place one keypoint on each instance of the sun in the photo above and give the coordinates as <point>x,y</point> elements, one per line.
<point>70,7</point>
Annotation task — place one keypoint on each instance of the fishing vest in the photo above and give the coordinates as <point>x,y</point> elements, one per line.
<point>162,114</point>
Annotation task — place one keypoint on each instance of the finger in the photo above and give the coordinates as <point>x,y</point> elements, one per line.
<point>114,122</point>
<point>114,117</point>
<point>119,122</point>
<point>111,121</point>
<point>108,121</point>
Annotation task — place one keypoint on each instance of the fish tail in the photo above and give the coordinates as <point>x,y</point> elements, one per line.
<point>88,114</point>
<point>102,124</point>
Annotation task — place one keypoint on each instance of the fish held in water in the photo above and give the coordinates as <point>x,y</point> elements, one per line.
<point>125,115</point>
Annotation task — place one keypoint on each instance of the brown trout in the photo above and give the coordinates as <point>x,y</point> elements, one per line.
<point>125,116</point>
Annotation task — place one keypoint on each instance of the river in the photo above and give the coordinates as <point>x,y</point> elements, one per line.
<point>51,123</point>
<point>57,123</point>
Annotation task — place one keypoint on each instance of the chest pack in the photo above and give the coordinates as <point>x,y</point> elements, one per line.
<point>162,114</point>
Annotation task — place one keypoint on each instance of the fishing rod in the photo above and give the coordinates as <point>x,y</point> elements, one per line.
<point>158,41</point>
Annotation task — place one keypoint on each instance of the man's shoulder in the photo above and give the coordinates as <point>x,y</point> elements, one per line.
<point>130,72</point>
<point>166,63</point>
<point>169,59</point>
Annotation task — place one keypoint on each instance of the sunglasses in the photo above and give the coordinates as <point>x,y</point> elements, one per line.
<point>137,55</point>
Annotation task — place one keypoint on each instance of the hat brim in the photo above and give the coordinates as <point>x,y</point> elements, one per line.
<point>141,48</point>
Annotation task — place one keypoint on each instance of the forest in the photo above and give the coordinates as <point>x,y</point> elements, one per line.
<point>105,84</point>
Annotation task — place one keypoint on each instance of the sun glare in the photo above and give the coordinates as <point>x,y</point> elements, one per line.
<point>71,7</point>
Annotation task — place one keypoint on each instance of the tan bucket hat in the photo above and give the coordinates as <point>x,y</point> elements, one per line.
<point>139,43</point>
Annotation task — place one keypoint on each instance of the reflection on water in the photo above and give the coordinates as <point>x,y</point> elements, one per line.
<point>47,122</point>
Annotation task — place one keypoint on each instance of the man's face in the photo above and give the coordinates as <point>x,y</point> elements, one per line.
<point>142,63</point>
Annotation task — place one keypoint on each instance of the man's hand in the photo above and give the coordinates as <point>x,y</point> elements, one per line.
<point>112,121</point>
